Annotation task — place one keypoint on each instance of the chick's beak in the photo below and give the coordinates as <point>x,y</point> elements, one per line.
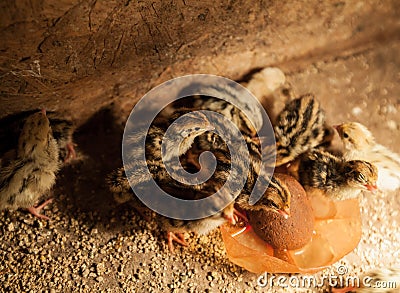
<point>230,218</point>
<point>285,213</point>
<point>372,188</point>
<point>43,111</point>
<point>337,127</point>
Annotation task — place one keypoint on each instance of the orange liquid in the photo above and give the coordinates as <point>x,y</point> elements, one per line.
<point>337,232</point>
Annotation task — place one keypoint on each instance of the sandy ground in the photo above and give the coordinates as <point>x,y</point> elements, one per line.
<point>91,244</point>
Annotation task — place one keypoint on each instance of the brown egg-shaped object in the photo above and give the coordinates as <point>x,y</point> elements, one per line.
<point>281,233</point>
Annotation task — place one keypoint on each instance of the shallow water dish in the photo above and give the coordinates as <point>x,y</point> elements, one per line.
<point>337,231</point>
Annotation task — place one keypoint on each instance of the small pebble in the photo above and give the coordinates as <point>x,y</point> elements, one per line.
<point>10,227</point>
<point>356,111</point>
<point>392,124</point>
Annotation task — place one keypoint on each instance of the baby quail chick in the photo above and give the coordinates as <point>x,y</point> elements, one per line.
<point>62,130</point>
<point>62,133</point>
<point>276,198</point>
<point>376,281</point>
<point>359,144</point>
<point>212,142</point>
<point>195,123</point>
<point>32,173</point>
<point>249,121</point>
<point>299,128</point>
<point>337,178</point>
<point>265,82</point>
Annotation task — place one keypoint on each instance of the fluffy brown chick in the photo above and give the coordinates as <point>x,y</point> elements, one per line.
<point>299,128</point>
<point>24,180</point>
<point>359,144</point>
<point>337,178</point>
<point>226,167</point>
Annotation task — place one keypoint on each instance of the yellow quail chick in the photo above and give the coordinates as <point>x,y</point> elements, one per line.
<point>381,280</point>
<point>62,129</point>
<point>359,144</point>
<point>265,82</point>
<point>299,128</point>
<point>25,179</point>
<point>337,178</point>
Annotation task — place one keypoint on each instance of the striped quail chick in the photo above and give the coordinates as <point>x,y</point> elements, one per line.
<point>212,142</point>
<point>25,179</point>
<point>299,128</point>
<point>196,124</point>
<point>276,198</point>
<point>359,144</point>
<point>337,178</point>
<point>231,108</point>
<point>227,167</point>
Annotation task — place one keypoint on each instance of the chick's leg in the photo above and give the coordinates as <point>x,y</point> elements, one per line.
<point>178,238</point>
<point>36,210</point>
<point>71,154</point>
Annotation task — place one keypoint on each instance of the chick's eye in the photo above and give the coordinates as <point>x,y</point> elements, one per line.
<point>197,128</point>
<point>361,177</point>
<point>345,135</point>
<point>274,205</point>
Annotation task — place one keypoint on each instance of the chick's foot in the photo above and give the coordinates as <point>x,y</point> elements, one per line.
<point>178,238</point>
<point>36,210</point>
<point>71,154</point>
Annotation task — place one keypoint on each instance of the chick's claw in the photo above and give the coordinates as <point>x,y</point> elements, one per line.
<point>239,217</point>
<point>178,238</point>
<point>35,211</point>
<point>71,154</point>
